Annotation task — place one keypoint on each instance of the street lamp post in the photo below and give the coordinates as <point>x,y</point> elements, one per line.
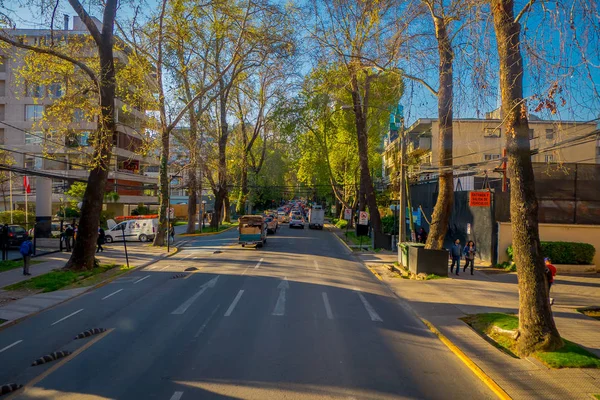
<point>203,213</point>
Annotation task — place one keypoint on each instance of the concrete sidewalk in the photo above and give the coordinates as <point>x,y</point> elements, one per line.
<point>16,305</point>
<point>444,301</point>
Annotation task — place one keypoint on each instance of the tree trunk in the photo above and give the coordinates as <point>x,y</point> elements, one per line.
<point>241,205</point>
<point>192,200</point>
<point>366,183</point>
<point>226,208</point>
<point>163,187</point>
<point>537,330</point>
<point>84,251</point>
<point>218,211</point>
<point>445,200</point>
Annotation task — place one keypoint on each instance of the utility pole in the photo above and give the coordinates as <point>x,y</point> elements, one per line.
<point>399,119</point>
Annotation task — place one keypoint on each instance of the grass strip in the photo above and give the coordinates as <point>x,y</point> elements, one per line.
<point>210,229</point>
<point>7,265</point>
<point>593,312</point>
<point>571,355</point>
<point>2,321</point>
<point>63,279</point>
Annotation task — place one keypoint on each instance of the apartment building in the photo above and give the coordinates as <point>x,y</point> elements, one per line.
<point>64,159</point>
<point>477,143</point>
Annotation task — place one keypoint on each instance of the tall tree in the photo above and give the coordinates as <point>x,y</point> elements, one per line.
<point>537,330</point>
<point>83,256</point>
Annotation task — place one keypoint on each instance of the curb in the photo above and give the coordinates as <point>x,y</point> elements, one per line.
<point>490,383</point>
<point>186,235</point>
<point>339,238</point>
<point>479,373</point>
<point>96,286</point>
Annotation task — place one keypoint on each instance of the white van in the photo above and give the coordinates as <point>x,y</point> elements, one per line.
<point>135,229</point>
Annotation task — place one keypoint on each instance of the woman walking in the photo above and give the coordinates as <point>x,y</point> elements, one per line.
<point>469,252</point>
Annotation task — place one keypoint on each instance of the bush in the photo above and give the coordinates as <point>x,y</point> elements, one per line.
<point>389,224</point>
<point>18,217</point>
<point>140,210</point>
<point>565,252</point>
<point>341,223</point>
<point>69,212</point>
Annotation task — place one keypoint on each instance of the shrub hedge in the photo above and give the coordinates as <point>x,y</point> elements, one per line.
<point>565,252</point>
<point>341,223</point>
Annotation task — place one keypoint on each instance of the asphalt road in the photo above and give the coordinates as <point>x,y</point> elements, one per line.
<point>298,319</point>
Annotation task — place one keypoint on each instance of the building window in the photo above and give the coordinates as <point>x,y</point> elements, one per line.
<point>2,136</point>
<point>549,158</point>
<point>531,134</point>
<point>35,90</point>
<point>489,157</point>
<point>2,115</point>
<point>2,88</point>
<point>32,162</point>
<point>55,90</point>
<point>492,132</point>
<point>33,112</point>
<point>78,115</point>
<point>34,138</point>
<point>598,151</point>
<point>3,61</point>
<point>549,134</point>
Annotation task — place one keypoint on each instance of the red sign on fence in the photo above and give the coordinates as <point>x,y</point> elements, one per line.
<point>479,199</point>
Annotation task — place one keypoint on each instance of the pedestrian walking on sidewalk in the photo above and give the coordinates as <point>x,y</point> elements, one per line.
<point>101,239</point>
<point>455,253</point>
<point>172,233</point>
<point>69,232</point>
<point>422,236</point>
<point>550,274</point>
<point>469,253</point>
<point>26,251</point>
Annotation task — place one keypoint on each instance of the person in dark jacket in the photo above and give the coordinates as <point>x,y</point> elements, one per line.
<point>69,232</point>
<point>101,239</point>
<point>455,253</point>
<point>422,236</point>
<point>469,253</point>
<point>26,250</point>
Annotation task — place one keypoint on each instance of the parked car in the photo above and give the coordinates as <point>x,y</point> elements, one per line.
<point>297,221</point>
<point>16,235</point>
<point>135,229</point>
<point>272,224</point>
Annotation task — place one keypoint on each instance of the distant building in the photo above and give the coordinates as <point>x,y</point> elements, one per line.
<point>22,105</point>
<point>478,147</point>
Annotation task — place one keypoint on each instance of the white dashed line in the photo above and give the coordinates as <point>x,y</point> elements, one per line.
<point>165,267</point>
<point>327,305</point>
<point>10,345</point>
<point>112,294</point>
<point>183,307</point>
<point>176,396</point>
<point>316,264</point>
<point>68,316</point>
<point>139,280</point>
<point>372,313</point>
<point>259,262</point>
<point>234,303</point>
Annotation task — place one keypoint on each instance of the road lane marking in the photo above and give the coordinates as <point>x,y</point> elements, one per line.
<point>207,321</point>
<point>63,361</point>
<point>10,345</point>
<point>68,316</point>
<point>189,255</point>
<point>234,303</point>
<point>279,309</point>
<point>165,267</point>
<point>327,305</point>
<point>151,268</point>
<point>139,280</point>
<point>372,313</point>
<point>259,262</point>
<point>112,294</point>
<point>182,308</point>
<point>316,264</point>
<point>176,396</point>
<point>190,273</point>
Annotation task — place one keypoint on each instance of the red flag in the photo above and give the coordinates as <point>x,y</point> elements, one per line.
<point>26,184</point>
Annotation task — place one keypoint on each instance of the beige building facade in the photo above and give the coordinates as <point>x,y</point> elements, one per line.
<point>63,159</point>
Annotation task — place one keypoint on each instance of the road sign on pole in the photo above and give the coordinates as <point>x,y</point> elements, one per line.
<point>363,218</point>
<point>348,214</point>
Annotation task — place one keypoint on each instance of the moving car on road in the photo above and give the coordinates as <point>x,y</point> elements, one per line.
<point>272,224</point>
<point>297,221</point>
<point>282,217</point>
<point>252,230</point>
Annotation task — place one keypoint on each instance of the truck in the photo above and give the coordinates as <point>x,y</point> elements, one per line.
<point>143,230</point>
<point>252,231</point>
<point>316,217</point>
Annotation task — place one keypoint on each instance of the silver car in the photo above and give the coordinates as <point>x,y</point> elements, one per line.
<point>297,221</point>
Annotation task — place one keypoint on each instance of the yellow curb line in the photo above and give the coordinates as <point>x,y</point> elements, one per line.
<point>339,238</point>
<point>375,273</point>
<point>206,234</point>
<point>62,362</point>
<point>468,362</point>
